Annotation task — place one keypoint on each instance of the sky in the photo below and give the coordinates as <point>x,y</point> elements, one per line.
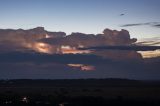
<point>87,16</point>
<point>111,39</point>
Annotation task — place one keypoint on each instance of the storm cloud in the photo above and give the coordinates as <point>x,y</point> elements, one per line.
<point>107,38</point>
<point>41,41</point>
<point>37,53</point>
<point>134,48</point>
<point>29,65</point>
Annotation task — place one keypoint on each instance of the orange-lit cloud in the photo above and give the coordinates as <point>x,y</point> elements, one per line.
<point>42,48</point>
<point>72,50</point>
<point>82,67</point>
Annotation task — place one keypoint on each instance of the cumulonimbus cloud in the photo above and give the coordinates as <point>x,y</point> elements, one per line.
<point>107,38</point>
<point>37,53</point>
<point>39,40</point>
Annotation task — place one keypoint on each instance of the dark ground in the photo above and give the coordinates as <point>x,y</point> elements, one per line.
<point>79,92</point>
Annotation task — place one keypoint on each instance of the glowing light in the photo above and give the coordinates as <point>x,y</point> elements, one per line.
<point>72,50</point>
<point>63,104</point>
<point>65,47</point>
<point>75,65</point>
<point>150,54</point>
<point>8,102</point>
<point>43,48</point>
<point>47,36</point>
<point>87,68</point>
<point>25,99</point>
<point>82,67</point>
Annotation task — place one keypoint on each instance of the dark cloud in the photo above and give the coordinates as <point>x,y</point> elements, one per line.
<point>123,52</point>
<point>34,68</point>
<point>19,57</point>
<point>130,48</point>
<point>109,37</point>
<point>137,24</point>
<point>155,24</point>
<point>121,14</point>
<point>119,55</point>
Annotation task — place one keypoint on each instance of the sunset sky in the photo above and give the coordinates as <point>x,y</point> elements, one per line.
<point>87,16</point>
<point>111,39</point>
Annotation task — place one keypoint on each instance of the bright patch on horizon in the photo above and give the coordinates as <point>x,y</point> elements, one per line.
<point>150,54</point>
<point>149,42</point>
<point>82,67</point>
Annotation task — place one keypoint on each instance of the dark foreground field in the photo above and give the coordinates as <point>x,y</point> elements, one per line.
<point>80,92</point>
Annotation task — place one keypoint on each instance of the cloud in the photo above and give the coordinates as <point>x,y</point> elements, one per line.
<point>153,24</point>
<point>24,40</point>
<point>114,37</point>
<point>129,48</point>
<point>126,52</point>
<point>121,14</point>
<point>32,38</point>
<point>37,53</point>
<point>109,37</point>
<point>157,25</point>
<point>34,66</point>
<point>41,41</point>
<point>150,42</point>
<point>137,24</point>
<point>155,41</point>
<point>19,57</point>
